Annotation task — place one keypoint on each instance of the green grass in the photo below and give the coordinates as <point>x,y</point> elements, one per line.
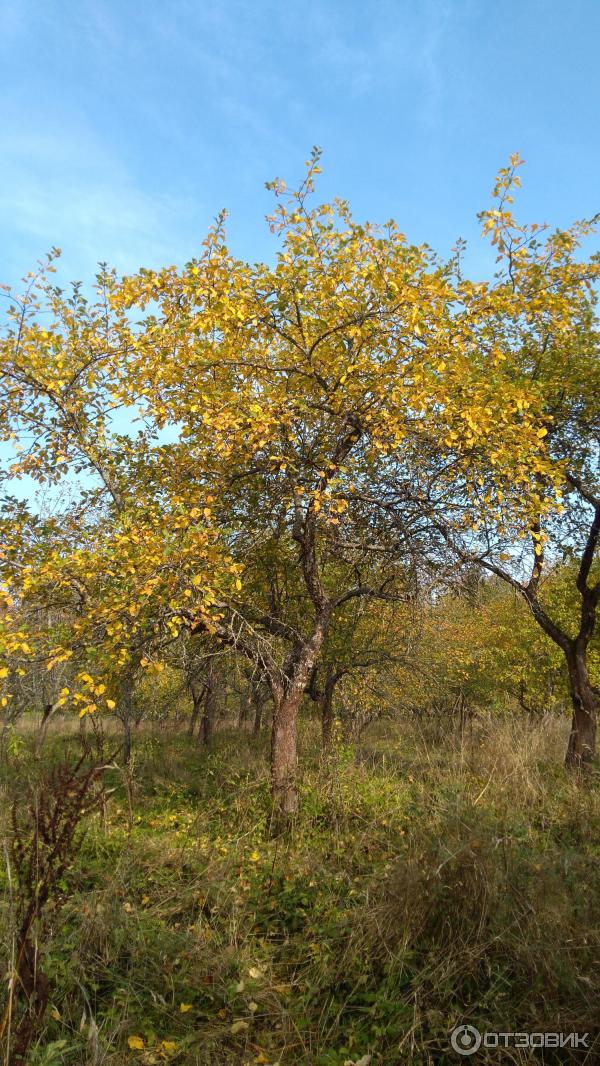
<point>426,883</point>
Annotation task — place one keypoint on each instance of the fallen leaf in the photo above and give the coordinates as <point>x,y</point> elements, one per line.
<point>238,1027</point>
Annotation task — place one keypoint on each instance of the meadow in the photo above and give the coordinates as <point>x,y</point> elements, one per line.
<point>433,876</point>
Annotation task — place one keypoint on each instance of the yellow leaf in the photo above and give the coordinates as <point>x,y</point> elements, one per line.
<point>111,705</point>
<point>135,1043</point>
<point>184,1008</point>
<point>255,857</point>
<point>238,1027</point>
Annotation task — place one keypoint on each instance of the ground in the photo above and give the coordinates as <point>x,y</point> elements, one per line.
<point>430,880</point>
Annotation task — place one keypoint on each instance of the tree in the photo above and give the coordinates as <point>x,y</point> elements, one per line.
<point>98,583</point>
<point>287,383</point>
<point>370,642</point>
<point>313,433</point>
<point>538,321</point>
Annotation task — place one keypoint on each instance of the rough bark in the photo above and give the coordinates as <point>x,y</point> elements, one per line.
<point>582,740</point>
<point>284,758</point>
<point>287,697</point>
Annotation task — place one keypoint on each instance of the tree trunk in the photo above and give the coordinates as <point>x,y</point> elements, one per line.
<point>208,716</point>
<point>284,757</point>
<point>582,740</point>
<point>126,715</point>
<point>258,711</point>
<point>243,711</point>
<point>127,742</point>
<point>284,734</point>
<point>193,720</point>
<point>197,697</point>
<point>581,748</point>
<point>48,711</point>
<point>326,709</point>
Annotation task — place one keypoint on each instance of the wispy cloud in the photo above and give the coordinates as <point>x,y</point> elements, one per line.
<point>399,46</point>
<point>69,189</point>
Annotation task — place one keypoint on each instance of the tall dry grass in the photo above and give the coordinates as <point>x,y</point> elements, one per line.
<point>432,878</point>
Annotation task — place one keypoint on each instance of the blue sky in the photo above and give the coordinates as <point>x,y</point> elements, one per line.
<point>126,126</point>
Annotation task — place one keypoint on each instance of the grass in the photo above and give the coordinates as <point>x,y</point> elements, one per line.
<point>427,882</point>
